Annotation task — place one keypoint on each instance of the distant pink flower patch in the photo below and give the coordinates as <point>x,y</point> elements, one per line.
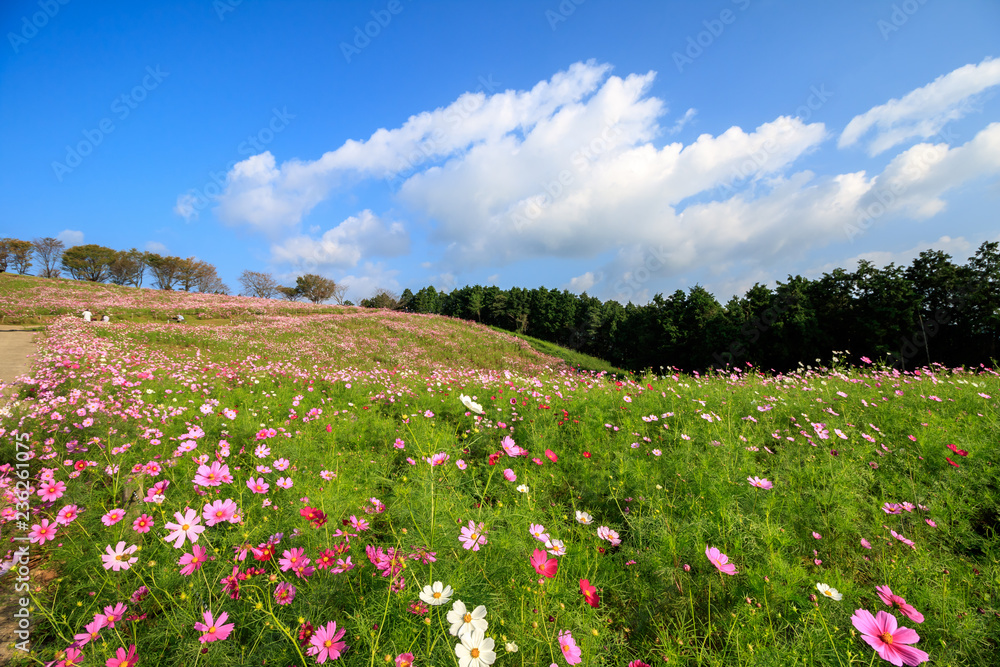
<point>720,560</point>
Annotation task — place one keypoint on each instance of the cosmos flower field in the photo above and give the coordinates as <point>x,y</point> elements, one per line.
<point>388,489</point>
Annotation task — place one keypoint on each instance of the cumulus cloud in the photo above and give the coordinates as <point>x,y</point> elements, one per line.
<point>70,237</point>
<point>925,111</point>
<point>344,246</point>
<point>157,248</point>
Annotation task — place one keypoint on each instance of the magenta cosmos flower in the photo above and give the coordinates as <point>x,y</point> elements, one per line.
<point>52,491</point>
<point>570,650</point>
<point>215,630</point>
<point>284,593</point>
<point>124,659</point>
<point>192,562</point>
<point>720,560</point>
<point>143,524</point>
<point>889,641</point>
<point>113,517</point>
<point>325,643</point>
<point>41,532</point>
<point>893,600</point>
<point>760,483</point>
<point>258,485</point>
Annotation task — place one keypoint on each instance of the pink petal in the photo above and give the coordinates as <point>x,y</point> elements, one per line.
<point>905,636</point>
<point>866,624</point>
<point>911,656</point>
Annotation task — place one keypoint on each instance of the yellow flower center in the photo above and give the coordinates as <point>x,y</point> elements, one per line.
<point>474,653</point>
<point>467,618</point>
<point>186,527</point>
<point>211,629</point>
<point>886,637</point>
<point>436,595</point>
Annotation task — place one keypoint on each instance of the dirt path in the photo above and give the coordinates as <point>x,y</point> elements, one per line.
<point>17,347</point>
<point>17,344</point>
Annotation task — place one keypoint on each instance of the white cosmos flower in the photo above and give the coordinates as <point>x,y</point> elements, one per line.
<point>511,647</point>
<point>463,621</point>
<point>476,650</point>
<point>829,592</point>
<point>437,594</point>
<point>469,403</point>
<point>584,518</point>
<point>523,488</point>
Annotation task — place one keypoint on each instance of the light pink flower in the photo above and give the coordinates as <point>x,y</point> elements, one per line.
<point>41,532</point>
<point>113,517</point>
<point>119,558</point>
<point>891,642</point>
<point>187,527</point>
<point>571,652</point>
<point>720,560</point>
<point>67,515</point>
<point>893,600</point>
<point>760,483</point>
<point>509,475</point>
<point>472,537</point>
<point>219,511</point>
<point>192,562</point>
<point>215,630</point>
<point>258,485</point>
<point>52,491</point>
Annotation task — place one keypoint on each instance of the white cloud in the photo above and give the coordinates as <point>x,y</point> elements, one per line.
<point>682,121</point>
<point>925,111</point>
<point>582,283</point>
<point>157,248</point>
<point>187,207</point>
<point>373,276</point>
<point>344,246</point>
<point>70,237</point>
<point>271,198</point>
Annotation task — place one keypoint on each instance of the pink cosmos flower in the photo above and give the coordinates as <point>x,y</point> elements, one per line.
<point>437,459</point>
<point>258,485</point>
<point>606,533</point>
<point>292,558</point>
<point>143,524</point>
<point>472,537</point>
<point>186,527</point>
<point>720,560</point>
<point>551,455</point>
<point>509,475</point>
<point>359,524</point>
<point>41,532</point>
<point>123,659</point>
<point>891,642</point>
<point>285,482</point>
<point>119,558</point>
<point>759,482</point>
<point>893,600</point>
<point>284,593</point>
<point>111,615</point>
<point>404,660</point>
<point>461,466</point>
<point>930,522</point>
<point>891,508</point>
<point>192,562</point>
<point>543,566</point>
<point>590,593</point>
<point>219,511</point>
<point>52,491</point>
<point>93,629</point>
<point>67,515</point>
<point>213,475</point>
<point>215,630</point>
<point>570,650</point>
<point>537,531</point>
<point>325,643</point>
<point>113,517</point>
<point>865,543</point>
<point>511,448</point>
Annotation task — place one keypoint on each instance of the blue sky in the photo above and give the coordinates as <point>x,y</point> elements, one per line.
<point>622,148</point>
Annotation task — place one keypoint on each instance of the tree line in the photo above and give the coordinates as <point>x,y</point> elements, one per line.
<point>931,311</point>
<point>97,263</point>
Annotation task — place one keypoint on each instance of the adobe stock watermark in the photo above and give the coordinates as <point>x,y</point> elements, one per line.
<point>431,147</point>
<point>755,161</point>
<point>653,260</point>
<point>714,28</point>
<point>552,190</point>
<point>223,7</point>
<point>563,11</point>
<point>31,25</point>
<point>19,562</point>
<point>122,106</point>
<point>363,38</point>
<point>901,13</point>
<point>889,194</point>
<point>752,329</point>
<point>194,200</point>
